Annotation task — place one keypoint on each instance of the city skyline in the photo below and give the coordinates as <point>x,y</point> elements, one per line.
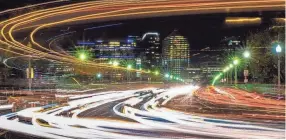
<point>142,69</point>
<point>212,28</point>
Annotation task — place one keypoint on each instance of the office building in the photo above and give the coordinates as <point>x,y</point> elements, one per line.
<point>150,42</point>
<point>176,53</point>
<point>123,51</point>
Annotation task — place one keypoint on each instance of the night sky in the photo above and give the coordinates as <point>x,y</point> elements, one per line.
<point>201,30</point>
<point>7,4</point>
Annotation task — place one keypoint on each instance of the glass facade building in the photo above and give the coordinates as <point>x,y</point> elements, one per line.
<point>151,44</point>
<point>176,53</point>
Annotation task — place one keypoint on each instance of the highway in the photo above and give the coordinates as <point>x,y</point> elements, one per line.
<point>142,113</point>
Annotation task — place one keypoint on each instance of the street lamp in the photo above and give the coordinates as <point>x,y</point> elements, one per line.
<point>82,56</point>
<point>246,54</point>
<point>177,78</point>
<point>98,75</point>
<point>235,62</point>
<point>230,67</point>
<point>127,72</point>
<point>156,72</point>
<point>115,63</point>
<point>129,67</point>
<point>167,75</point>
<point>278,51</point>
<point>225,70</point>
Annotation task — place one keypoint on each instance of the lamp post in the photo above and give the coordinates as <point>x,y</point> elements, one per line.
<point>278,51</point>
<point>230,66</point>
<point>30,70</point>
<point>99,76</point>
<point>246,55</point>
<point>127,73</point>
<point>225,74</point>
<point>235,62</point>
<point>115,64</point>
<point>82,57</point>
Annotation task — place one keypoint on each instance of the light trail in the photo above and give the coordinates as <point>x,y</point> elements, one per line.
<point>97,27</point>
<point>155,121</point>
<point>111,10</point>
<point>30,6</point>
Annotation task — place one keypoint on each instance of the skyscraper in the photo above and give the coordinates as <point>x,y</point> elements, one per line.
<point>176,53</point>
<point>151,44</point>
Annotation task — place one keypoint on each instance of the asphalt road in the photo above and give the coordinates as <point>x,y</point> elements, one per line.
<point>180,112</point>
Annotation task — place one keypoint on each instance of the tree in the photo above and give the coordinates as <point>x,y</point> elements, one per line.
<point>263,62</point>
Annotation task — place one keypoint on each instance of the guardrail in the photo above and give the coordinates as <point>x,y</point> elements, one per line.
<point>260,88</point>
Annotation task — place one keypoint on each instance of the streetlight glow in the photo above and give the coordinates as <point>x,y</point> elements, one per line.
<point>246,54</point>
<point>115,63</point>
<point>129,67</point>
<point>167,75</point>
<point>156,72</point>
<point>82,56</point>
<point>235,62</point>
<point>98,75</point>
<point>226,69</point>
<point>230,65</point>
<point>278,48</point>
